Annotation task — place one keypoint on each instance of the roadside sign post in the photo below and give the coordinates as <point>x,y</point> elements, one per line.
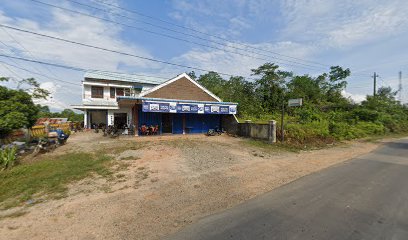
<point>282,130</point>
<point>296,102</point>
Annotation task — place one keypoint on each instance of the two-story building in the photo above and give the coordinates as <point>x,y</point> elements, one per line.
<point>179,105</point>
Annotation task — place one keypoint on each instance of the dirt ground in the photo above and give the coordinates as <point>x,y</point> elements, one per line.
<point>164,183</point>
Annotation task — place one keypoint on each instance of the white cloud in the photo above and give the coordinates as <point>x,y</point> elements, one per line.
<point>52,100</point>
<point>227,62</point>
<point>343,23</point>
<point>358,98</point>
<point>76,28</point>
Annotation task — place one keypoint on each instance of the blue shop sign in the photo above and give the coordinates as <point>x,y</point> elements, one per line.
<point>173,107</point>
<point>155,107</point>
<point>187,108</point>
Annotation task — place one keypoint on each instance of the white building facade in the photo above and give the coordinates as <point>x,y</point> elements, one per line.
<point>100,91</point>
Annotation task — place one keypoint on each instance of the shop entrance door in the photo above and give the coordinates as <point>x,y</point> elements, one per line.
<point>120,120</point>
<point>167,125</point>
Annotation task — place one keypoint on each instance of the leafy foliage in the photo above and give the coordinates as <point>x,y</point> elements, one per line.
<point>8,157</point>
<point>17,110</point>
<point>326,113</point>
<point>44,112</point>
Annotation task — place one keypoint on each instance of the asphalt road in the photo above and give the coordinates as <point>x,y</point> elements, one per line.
<point>364,198</point>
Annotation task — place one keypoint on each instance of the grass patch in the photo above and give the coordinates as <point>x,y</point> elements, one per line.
<point>49,177</point>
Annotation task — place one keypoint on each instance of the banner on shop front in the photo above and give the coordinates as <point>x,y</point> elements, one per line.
<point>174,107</point>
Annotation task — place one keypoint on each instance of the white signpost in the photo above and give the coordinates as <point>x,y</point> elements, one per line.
<point>296,102</point>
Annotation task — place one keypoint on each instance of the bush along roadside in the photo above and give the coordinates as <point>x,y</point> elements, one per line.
<point>8,157</point>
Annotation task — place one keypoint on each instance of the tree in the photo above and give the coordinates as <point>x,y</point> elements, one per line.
<point>237,89</point>
<point>192,75</point>
<point>17,108</point>
<point>270,88</point>
<point>213,82</point>
<point>306,87</point>
<point>336,84</point>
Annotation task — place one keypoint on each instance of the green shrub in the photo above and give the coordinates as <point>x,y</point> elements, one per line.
<point>342,130</point>
<point>308,132</point>
<point>8,157</point>
<point>364,114</point>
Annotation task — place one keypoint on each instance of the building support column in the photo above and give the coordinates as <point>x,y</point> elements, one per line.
<point>272,131</point>
<point>136,119</point>
<point>85,118</point>
<point>184,123</point>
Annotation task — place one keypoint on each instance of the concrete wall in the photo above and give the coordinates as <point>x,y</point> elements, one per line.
<point>265,131</point>
<point>230,124</point>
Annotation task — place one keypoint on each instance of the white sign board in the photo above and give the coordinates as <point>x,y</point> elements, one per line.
<point>295,102</point>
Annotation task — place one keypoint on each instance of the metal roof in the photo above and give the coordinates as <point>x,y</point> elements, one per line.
<point>172,100</point>
<point>124,77</point>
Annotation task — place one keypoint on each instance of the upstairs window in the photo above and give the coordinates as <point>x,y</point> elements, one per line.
<point>120,92</point>
<point>96,92</point>
<point>112,92</point>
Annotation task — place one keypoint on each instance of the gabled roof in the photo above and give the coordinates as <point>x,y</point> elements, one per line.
<point>124,77</point>
<point>183,75</point>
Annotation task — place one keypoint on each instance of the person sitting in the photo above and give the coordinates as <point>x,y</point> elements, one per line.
<point>155,130</point>
<point>151,130</point>
<point>143,129</point>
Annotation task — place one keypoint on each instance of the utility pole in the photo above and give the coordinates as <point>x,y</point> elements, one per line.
<point>375,83</point>
<point>282,119</point>
<point>400,86</point>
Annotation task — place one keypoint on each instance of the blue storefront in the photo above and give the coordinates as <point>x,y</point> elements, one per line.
<point>180,116</point>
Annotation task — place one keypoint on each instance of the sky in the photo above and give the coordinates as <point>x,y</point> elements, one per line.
<point>227,36</point>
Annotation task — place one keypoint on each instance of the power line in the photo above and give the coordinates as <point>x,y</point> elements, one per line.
<point>306,66</point>
<point>24,69</point>
<point>198,37</point>
<point>115,51</point>
<point>40,74</point>
<point>31,54</point>
<point>100,72</point>
<point>12,72</point>
<point>201,32</point>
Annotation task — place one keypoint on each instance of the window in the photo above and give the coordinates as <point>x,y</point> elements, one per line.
<point>112,92</point>
<point>119,92</point>
<point>127,92</point>
<point>96,92</point>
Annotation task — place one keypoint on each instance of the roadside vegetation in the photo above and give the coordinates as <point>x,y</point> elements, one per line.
<point>18,110</point>
<point>326,115</point>
<point>49,177</point>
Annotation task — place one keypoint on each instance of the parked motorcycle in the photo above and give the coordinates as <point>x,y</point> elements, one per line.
<point>45,145</point>
<point>114,132</point>
<point>61,136</point>
<point>215,132</point>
